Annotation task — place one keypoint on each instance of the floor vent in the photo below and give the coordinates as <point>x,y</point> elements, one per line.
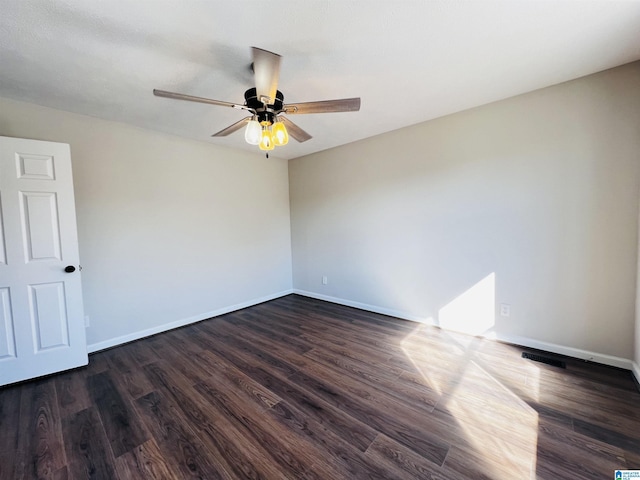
<point>539,358</point>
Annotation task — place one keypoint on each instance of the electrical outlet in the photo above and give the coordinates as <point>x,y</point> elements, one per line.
<point>325,280</point>
<point>505,310</point>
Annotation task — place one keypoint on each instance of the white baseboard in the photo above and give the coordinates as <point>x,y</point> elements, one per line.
<point>364,306</point>
<point>112,342</point>
<point>587,355</point>
<point>636,371</point>
<point>523,341</point>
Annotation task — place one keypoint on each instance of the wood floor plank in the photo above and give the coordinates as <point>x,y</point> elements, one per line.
<point>10,429</point>
<point>272,328</point>
<point>222,439</point>
<point>464,462</point>
<point>352,462</point>
<point>628,439</point>
<point>145,461</point>
<point>423,441</point>
<point>127,373</point>
<point>398,427</point>
<point>296,457</point>
<point>121,424</point>
<point>345,328</point>
<point>322,429</point>
<point>582,454</point>
<point>300,388</point>
<point>282,366</point>
<point>359,353</point>
<point>288,361</point>
<point>514,447</point>
<point>632,459</point>
<point>405,461</point>
<point>141,351</point>
<point>181,347</point>
<point>177,440</point>
<point>98,363</point>
<point>311,456</point>
<point>87,447</point>
<point>555,463</point>
<point>407,392</point>
<point>71,388</point>
<point>596,419</point>
<point>387,380</point>
<point>254,391</point>
<point>40,448</point>
<point>351,430</point>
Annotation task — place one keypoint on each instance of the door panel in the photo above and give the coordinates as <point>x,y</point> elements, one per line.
<point>41,232</point>
<point>35,167</point>
<point>3,250</point>
<point>49,315</point>
<point>7,338</point>
<point>41,313</point>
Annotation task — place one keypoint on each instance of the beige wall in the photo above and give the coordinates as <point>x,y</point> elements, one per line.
<point>170,229</point>
<point>636,366</point>
<point>530,201</point>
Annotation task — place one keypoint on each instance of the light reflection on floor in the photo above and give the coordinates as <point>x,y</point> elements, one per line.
<point>498,428</point>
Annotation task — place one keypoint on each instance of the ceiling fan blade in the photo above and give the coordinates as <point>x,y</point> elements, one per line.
<point>190,98</point>
<point>295,131</point>
<point>232,128</point>
<point>266,68</point>
<point>324,106</point>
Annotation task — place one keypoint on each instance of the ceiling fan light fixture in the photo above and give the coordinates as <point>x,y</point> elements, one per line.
<point>253,132</point>
<point>266,140</point>
<point>265,102</point>
<point>280,134</point>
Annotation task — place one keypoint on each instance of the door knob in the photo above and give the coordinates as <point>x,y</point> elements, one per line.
<point>70,269</point>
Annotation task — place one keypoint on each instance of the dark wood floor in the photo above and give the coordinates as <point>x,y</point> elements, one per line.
<point>299,388</point>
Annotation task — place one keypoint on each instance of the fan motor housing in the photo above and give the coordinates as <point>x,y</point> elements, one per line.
<point>252,101</point>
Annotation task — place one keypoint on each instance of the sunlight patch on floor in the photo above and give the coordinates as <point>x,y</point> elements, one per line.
<point>498,425</point>
<point>533,383</point>
<point>471,313</point>
<point>427,356</point>
<point>413,346</point>
<point>501,427</point>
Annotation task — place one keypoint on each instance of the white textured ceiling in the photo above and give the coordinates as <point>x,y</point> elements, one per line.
<point>409,61</point>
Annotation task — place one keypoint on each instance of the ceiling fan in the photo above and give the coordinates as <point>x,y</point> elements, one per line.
<point>266,127</point>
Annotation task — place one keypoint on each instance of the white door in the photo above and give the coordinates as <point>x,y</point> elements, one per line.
<point>41,315</point>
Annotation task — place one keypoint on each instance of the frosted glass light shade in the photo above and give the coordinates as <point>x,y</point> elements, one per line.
<point>253,132</point>
<point>280,134</point>
<point>266,141</point>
